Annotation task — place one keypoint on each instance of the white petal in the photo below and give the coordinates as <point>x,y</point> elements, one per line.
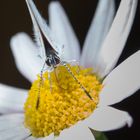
<point>122,82</point>
<point>26,56</point>
<point>11,127</point>
<point>50,137</point>
<point>10,121</point>
<point>99,28</point>
<point>31,138</point>
<point>117,36</point>
<point>63,31</point>
<point>76,132</point>
<point>11,99</point>
<point>108,118</point>
<point>21,137</point>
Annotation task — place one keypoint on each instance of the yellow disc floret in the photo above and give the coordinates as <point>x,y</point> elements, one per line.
<point>59,102</point>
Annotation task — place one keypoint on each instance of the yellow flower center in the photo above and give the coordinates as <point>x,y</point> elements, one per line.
<point>61,100</point>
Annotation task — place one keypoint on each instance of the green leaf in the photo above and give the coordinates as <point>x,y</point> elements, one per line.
<point>99,135</point>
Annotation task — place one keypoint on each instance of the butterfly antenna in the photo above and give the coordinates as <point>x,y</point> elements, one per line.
<point>82,87</point>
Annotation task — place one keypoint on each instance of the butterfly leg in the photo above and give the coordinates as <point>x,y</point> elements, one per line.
<point>75,63</point>
<point>27,137</point>
<point>50,81</point>
<point>40,84</point>
<point>72,74</point>
<point>57,80</point>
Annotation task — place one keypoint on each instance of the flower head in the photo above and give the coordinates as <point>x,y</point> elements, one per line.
<point>62,106</point>
<point>66,96</point>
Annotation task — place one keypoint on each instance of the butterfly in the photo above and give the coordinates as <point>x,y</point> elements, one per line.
<point>49,50</point>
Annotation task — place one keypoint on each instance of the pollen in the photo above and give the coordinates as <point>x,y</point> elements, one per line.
<point>61,100</point>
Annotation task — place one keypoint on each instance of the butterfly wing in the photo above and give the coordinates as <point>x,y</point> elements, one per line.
<point>43,35</point>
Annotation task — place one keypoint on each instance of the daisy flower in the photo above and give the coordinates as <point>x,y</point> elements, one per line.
<point>64,110</point>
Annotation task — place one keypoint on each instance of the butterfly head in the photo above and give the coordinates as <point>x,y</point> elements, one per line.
<point>52,59</point>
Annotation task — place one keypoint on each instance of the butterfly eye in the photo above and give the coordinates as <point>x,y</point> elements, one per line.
<point>52,60</point>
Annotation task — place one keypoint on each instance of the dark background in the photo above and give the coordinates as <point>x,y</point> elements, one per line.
<point>14,17</point>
